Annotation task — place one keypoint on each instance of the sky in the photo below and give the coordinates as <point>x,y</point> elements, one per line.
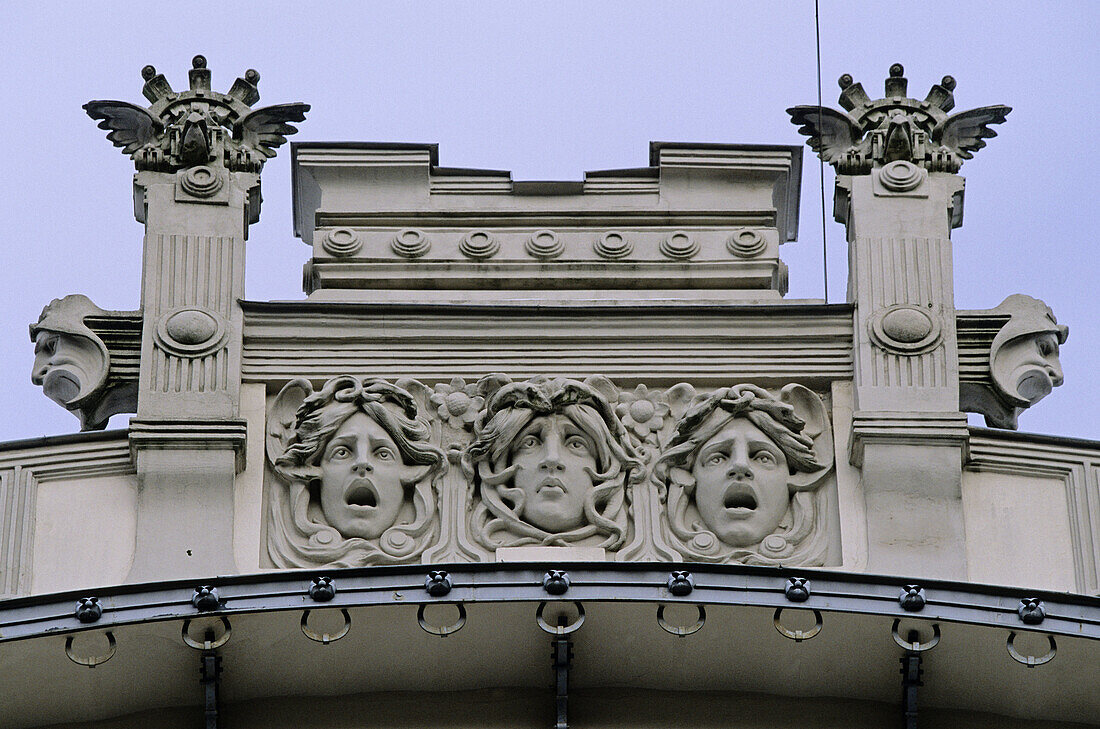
<point>549,90</point>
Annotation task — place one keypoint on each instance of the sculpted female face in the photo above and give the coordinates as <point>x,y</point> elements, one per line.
<point>554,461</point>
<point>361,478</point>
<point>741,487</point>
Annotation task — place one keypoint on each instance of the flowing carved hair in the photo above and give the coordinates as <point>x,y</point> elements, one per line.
<point>496,519</point>
<point>306,539</point>
<point>797,540</point>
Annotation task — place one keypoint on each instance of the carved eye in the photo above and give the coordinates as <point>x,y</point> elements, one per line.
<point>1046,347</point>
<point>715,459</point>
<point>339,452</point>
<point>384,454</point>
<point>765,457</point>
<point>578,444</point>
<point>529,441</point>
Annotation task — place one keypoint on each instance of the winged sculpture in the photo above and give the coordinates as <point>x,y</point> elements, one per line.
<point>197,126</point>
<point>896,127</point>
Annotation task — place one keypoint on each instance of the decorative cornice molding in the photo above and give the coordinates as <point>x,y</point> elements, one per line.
<point>907,428</point>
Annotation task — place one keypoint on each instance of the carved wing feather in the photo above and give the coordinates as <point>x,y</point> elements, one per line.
<point>831,132</point>
<point>131,127</point>
<point>266,129</point>
<point>965,133</point>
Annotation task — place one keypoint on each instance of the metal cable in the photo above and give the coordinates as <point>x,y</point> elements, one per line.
<point>820,161</point>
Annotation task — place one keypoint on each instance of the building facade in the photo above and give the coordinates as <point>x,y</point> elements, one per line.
<point>548,453</point>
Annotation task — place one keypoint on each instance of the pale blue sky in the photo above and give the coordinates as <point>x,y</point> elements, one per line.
<point>549,90</point>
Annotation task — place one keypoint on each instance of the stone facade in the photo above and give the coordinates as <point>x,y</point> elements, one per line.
<point>604,374</point>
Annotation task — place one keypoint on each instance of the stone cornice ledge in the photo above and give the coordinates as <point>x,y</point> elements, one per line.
<point>907,428</point>
<point>190,435</point>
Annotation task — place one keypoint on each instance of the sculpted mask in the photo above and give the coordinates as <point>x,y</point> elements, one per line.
<point>1024,360</point>
<point>550,463</point>
<point>739,476</point>
<point>71,363</point>
<point>360,471</point>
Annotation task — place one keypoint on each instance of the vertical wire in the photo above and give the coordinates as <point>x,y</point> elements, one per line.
<point>820,160</point>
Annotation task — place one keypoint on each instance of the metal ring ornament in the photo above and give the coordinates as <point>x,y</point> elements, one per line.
<point>91,662</point>
<point>1031,661</point>
<point>796,635</point>
<point>917,646</point>
<point>207,645</point>
<point>678,630</point>
<point>447,629</point>
<point>325,638</point>
<point>559,629</point>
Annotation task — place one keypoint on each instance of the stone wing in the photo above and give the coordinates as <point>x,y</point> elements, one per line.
<point>965,133</point>
<point>831,132</point>
<point>266,129</point>
<point>131,127</point>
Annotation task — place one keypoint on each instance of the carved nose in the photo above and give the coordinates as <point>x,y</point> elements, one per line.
<point>1055,372</point>
<point>362,467</point>
<point>739,469</point>
<point>38,374</point>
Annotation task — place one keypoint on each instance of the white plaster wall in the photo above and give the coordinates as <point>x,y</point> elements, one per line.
<point>248,487</point>
<point>84,532</point>
<point>1018,530</point>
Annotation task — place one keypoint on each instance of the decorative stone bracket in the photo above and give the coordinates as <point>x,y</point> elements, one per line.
<point>1008,358</point>
<point>76,368</point>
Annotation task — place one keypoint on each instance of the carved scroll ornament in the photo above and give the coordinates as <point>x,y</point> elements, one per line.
<point>733,475</point>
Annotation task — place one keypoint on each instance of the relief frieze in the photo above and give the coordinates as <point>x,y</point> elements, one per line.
<point>362,471</point>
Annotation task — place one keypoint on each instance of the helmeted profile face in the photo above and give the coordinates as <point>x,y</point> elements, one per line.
<point>70,363</point>
<point>65,365</point>
<point>1024,357</point>
<point>741,487</point>
<point>361,489</point>
<point>1032,365</point>
<point>555,461</point>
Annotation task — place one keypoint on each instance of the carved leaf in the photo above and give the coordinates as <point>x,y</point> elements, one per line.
<point>266,129</point>
<point>280,424</point>
<point>809,407</point>
<point>131,127</point>
<point>965,133</point>
<point>831,132</point>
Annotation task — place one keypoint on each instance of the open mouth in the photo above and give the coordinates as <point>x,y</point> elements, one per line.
<point>362,494</point>
<point>739,496</point>
<point>61,386</point>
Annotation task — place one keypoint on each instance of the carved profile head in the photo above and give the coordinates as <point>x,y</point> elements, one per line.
<point>740,473</point>
<point>550,463</point>
<point>360,470</point>
<point>1023,360</point>
<point>70,361</point>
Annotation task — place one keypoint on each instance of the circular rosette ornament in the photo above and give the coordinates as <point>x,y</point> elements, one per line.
<point>643,413</point>
<point>457,403</point>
